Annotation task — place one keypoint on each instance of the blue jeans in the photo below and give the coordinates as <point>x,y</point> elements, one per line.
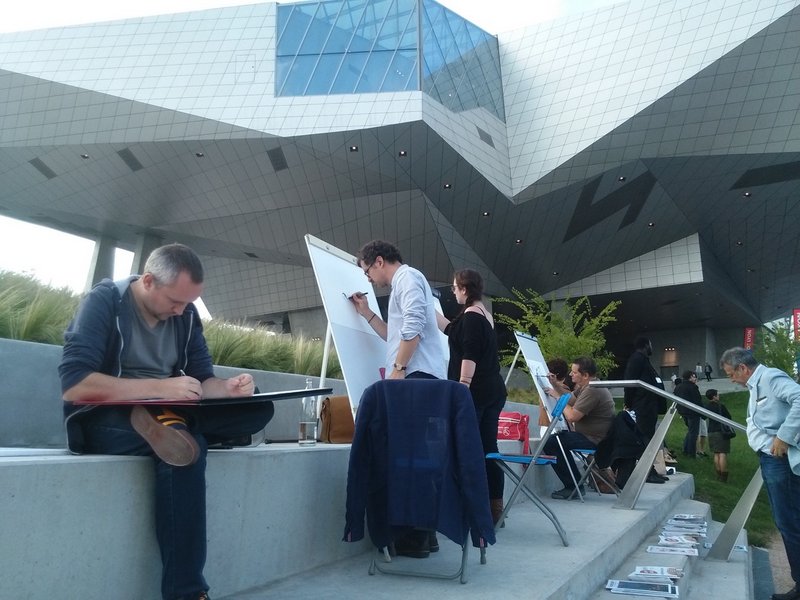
<point>570,440</point>
<point>783,489</point>
<point>180,503</point>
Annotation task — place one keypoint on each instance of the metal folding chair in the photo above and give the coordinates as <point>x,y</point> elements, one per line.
<point>417,461</point>
<point>536,458</point>
<point>586,457</point>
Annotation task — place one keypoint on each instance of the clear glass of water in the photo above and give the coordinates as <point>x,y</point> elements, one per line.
<point>308,419</point>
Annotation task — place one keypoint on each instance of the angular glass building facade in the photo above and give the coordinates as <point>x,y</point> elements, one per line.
<point>646,151</point>
<point>353,47</point>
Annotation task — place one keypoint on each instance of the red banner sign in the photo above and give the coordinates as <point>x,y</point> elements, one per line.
<point>796,321</point>
<point>749,337</point>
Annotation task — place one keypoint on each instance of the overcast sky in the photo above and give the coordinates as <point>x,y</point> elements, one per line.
<point>63,260</point>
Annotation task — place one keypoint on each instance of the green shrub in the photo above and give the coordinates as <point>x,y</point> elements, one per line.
<point>564,328</point>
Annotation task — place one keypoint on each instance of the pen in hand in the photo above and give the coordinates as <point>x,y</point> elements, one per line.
<point>359,294</point>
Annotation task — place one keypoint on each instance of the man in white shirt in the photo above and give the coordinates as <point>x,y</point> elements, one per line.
<point>411,333</point>
<point>773,431</point>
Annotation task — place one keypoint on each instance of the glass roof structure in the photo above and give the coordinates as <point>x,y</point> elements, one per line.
<point>361,46</point>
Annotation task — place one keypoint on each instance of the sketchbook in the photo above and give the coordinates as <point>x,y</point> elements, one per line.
<point>254,399</point>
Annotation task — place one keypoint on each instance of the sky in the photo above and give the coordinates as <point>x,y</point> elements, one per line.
<point>63,260</point>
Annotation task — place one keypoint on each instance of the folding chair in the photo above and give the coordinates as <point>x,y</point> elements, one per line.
<point>417,461</point>
<point>586,456</point>
<point>505,461</point>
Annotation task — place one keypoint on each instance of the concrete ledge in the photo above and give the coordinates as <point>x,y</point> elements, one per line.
<point>84,524</point>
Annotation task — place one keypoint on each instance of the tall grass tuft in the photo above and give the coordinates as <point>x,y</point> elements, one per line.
<point>32,311</point>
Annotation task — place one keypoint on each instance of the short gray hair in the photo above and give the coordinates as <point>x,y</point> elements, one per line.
<point>166,263</point>
<point>733,357</point>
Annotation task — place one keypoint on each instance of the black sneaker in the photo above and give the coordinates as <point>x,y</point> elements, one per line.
<point>566,493</point>
<point>415,544</point>
<point>433,542</point>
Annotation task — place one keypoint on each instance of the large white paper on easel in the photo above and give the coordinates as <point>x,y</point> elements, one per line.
<point>361,351</point>
<point>537,366</point>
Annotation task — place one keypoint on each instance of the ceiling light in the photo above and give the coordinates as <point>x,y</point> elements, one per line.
<point>555,273</point>
<point>85,156</point>
<point>353,148</point>
<point>485,213</point>
<point>739,243</point>
<point>199,154</point>
<point>751,270</point>
<point>447,186</point>
<point>621,178</point>
<point>747,194</point>
<point>651,224</point>
<point>402,153</point>
<point>517,241</point>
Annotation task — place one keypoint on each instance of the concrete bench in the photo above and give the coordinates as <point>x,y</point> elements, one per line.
<point>82,526</point>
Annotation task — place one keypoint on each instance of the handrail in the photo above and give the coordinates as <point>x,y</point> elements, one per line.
<point>725,541</point>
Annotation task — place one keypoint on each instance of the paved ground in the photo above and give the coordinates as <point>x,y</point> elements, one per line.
<point>781,575</point>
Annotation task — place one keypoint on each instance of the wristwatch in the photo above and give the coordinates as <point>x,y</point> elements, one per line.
<point>399,367</point>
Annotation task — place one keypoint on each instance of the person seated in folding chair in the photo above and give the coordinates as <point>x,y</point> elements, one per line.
<point>589,411</point>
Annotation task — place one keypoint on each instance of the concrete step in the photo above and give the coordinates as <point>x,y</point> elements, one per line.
<point>528,560</point>
<point>702,579</point>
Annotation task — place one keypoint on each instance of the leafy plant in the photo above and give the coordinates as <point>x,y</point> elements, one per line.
<point>777,347</point>
<point>565,329</point>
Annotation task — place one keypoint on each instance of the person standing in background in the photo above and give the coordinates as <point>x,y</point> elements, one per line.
<point>645,404</point>
<point>719,443</point>
<point>474,362</point>
<point>688,390</point>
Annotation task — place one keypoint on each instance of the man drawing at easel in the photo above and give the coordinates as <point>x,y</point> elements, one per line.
<point>411,333</point>
<point>413,348</point>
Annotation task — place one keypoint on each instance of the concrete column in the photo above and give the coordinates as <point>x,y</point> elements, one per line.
<point>102,264</point>
<point>145,244</point>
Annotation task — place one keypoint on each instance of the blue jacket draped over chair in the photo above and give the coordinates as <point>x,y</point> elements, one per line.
<point>417,461</point>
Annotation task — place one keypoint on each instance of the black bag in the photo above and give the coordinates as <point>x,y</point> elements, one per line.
<point>728,432</point>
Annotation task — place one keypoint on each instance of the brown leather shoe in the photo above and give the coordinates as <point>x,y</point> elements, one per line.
<point>167,435</point>
<point>496,506</point>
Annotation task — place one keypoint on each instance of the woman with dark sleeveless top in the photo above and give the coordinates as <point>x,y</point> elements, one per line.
<point>474,362</point>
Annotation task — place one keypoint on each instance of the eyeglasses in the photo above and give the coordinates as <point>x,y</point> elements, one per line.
<point>732,371</point>
<point>366,271</point>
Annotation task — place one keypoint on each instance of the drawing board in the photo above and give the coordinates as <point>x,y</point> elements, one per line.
<point>254,399</point>
<point>361,351</point>
<point>537,367</point>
